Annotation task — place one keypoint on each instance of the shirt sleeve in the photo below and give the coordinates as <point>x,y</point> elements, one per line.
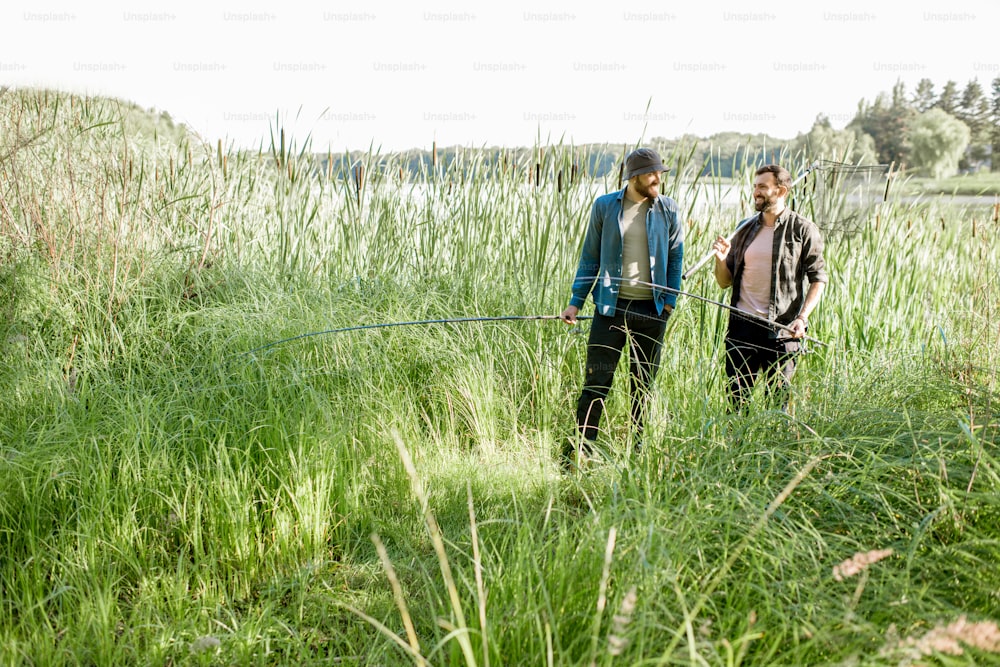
<point>813,263</point>
<point>675,257</point>
<point>590,260</point>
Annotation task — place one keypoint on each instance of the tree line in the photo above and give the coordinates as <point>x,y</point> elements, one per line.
<point>924,132</point>
<point>937,133</point>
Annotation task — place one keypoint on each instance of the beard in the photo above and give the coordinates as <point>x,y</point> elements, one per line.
<point>647,191</point>
<point>761,204</point>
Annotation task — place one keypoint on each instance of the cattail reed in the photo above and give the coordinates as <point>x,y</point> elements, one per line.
<point>359,180</point>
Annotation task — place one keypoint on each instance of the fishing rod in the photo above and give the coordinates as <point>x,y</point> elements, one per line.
<point>711,253</point>
<point>750,316</point>
<point>517,318</point>
<point>387,325</point>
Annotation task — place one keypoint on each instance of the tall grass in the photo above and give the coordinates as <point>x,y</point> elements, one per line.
<point>392,497</point>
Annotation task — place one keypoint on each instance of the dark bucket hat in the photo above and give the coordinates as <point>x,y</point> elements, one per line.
<point>642,161</point>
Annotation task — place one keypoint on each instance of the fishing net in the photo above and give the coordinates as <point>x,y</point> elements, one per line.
<point>841,197</point>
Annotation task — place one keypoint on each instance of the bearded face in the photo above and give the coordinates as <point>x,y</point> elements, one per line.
<point>764,202</point>
<point>646,186</point>
<point>766,193</point>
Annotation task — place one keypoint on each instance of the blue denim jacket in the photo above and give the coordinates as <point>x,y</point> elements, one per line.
<point>600,268</point>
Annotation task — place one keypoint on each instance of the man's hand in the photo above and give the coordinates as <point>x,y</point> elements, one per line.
<point>721,248</point>
<point>569,315</point>
<point>798,327</point>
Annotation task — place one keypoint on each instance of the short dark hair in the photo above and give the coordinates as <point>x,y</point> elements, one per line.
<point>781,174</point>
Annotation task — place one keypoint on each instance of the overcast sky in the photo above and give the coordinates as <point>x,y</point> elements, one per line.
<point>401,75</point>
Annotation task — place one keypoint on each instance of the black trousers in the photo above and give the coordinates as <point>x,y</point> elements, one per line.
<point>754,353</point>
<point>638,325</point>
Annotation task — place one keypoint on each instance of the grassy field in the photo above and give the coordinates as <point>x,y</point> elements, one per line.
<point>187,477</point>
<point>979,184</point>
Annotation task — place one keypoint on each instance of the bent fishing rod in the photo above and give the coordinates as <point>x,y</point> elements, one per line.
<point>516,318</point>
<point>410,323</point>
<point>711,253</point>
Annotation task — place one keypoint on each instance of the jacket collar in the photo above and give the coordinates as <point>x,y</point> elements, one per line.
<point>782,218</point>
<point>621,195</point>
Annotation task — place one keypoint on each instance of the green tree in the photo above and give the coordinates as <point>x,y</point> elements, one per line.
<point>924,98</point>
<point>995,153</point>
<point>974,110</point>
<point>949,99</point>
<point>886,121</point>
<point>823,141</point>
<point>937,142</point>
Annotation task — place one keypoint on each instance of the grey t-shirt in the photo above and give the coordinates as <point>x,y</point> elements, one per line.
<point>635,251</point>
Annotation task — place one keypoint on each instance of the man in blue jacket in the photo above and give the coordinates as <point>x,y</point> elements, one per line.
<point>631,264</point>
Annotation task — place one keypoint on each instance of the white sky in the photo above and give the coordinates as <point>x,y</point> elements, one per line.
<point>399,75</point>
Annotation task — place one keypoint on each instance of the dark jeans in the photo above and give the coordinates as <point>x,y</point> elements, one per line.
<point>637,324</point>
<point>754,353</point>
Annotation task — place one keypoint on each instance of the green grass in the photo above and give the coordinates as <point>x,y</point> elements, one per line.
<point>983,183</point>
<point>174,489</point>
